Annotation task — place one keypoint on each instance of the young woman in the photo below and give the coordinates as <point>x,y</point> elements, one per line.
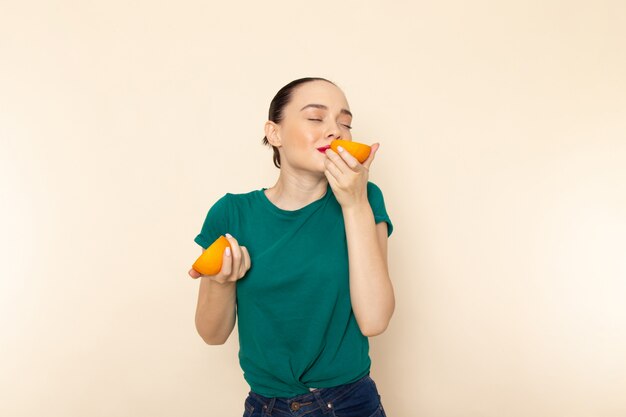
<point>307,276</point>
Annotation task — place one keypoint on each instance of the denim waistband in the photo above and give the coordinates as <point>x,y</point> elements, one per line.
<point>320,398</point>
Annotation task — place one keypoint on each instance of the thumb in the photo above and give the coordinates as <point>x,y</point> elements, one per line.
<point>371,156</point>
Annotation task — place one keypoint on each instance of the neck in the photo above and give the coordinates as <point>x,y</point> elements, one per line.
<point>292,192</point>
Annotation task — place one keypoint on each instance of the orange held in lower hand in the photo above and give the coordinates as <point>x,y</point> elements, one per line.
<point>359,150</point>
<point>210,262</point>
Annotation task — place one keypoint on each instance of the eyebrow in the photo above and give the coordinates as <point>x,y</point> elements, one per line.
<point>323,107</point>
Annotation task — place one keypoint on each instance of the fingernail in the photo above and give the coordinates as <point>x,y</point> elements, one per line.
<point>339,148</point>
<point>227,251</point>
<point>228,235</point>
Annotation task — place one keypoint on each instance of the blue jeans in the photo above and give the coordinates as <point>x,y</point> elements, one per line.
<point>357,399</point>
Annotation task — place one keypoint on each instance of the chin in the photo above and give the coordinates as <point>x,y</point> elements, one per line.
<point>319,163</point>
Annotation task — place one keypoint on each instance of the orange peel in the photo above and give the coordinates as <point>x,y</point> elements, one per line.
<point>210,262</point>
<point>360,151</point>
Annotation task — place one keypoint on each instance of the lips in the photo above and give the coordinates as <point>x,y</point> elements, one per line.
<point>323,148</point>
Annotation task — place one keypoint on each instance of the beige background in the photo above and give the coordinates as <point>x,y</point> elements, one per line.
<point>503,162</point>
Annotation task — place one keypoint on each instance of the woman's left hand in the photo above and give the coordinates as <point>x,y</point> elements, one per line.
<point>347,177</point>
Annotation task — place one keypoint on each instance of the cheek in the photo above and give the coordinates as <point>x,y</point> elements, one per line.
<point>301,137</point>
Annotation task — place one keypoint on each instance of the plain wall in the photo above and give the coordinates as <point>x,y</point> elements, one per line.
<point>503,162</point>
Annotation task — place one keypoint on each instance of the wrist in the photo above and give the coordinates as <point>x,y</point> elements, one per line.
<point>356,207</point>
<point>226,285</point>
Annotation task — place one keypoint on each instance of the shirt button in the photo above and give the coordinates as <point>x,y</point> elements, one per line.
<point>295,406</point>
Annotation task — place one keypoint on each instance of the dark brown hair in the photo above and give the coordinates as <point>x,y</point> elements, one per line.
<point>280,100</point>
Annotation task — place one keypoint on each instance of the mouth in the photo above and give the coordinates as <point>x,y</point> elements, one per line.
<point>323,148</point>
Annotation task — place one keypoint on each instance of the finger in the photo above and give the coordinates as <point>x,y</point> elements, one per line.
<point>194,274</point>
<point>235,252</point>
<point>333,169</point>
<point>371,156</point>
<point>331,179</point>
<point>246,258</point>
<point>337,160</point>
<point>241,271</point>
<point>234,244</point>
<point>236,260</point>
<point>350,160</point>
<point>227,263</point>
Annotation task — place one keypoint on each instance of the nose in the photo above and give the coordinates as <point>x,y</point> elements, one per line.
<point>333,132</point>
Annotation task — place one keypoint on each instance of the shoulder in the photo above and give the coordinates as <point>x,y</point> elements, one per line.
<point>221,203</point>
<point>235,202</point>
<point>377,202</point>
<point>242,198</point>
<point>233,198</point>
<point>374,192</point>
<point>373,187</point>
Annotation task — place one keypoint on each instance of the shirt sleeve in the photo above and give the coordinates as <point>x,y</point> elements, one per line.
<point>377,202</point>
<point>215,223</point>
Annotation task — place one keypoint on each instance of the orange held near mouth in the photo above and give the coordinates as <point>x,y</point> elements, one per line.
<point>359,150</point>
<point>210,262</point>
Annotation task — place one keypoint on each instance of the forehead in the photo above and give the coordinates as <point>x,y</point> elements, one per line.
<point>318,92</point>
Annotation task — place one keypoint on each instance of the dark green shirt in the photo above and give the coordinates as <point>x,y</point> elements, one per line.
<point>295,321</point>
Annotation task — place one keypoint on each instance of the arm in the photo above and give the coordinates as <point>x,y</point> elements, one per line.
<point>371,290</point>
<point>216,311</point>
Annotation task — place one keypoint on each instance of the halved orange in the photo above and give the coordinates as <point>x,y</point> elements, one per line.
<point>359,150</point>
<point>210,262</point>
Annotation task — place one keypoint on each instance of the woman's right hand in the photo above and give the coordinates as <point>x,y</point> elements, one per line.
<point>234,265</point>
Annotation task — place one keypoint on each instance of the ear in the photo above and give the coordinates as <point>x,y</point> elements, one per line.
<point>271,133</point>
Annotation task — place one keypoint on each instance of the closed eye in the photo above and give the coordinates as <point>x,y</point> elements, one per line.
<point>320,120</point>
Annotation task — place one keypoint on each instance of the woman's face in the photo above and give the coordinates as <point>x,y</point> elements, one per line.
<point>317,114</point>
